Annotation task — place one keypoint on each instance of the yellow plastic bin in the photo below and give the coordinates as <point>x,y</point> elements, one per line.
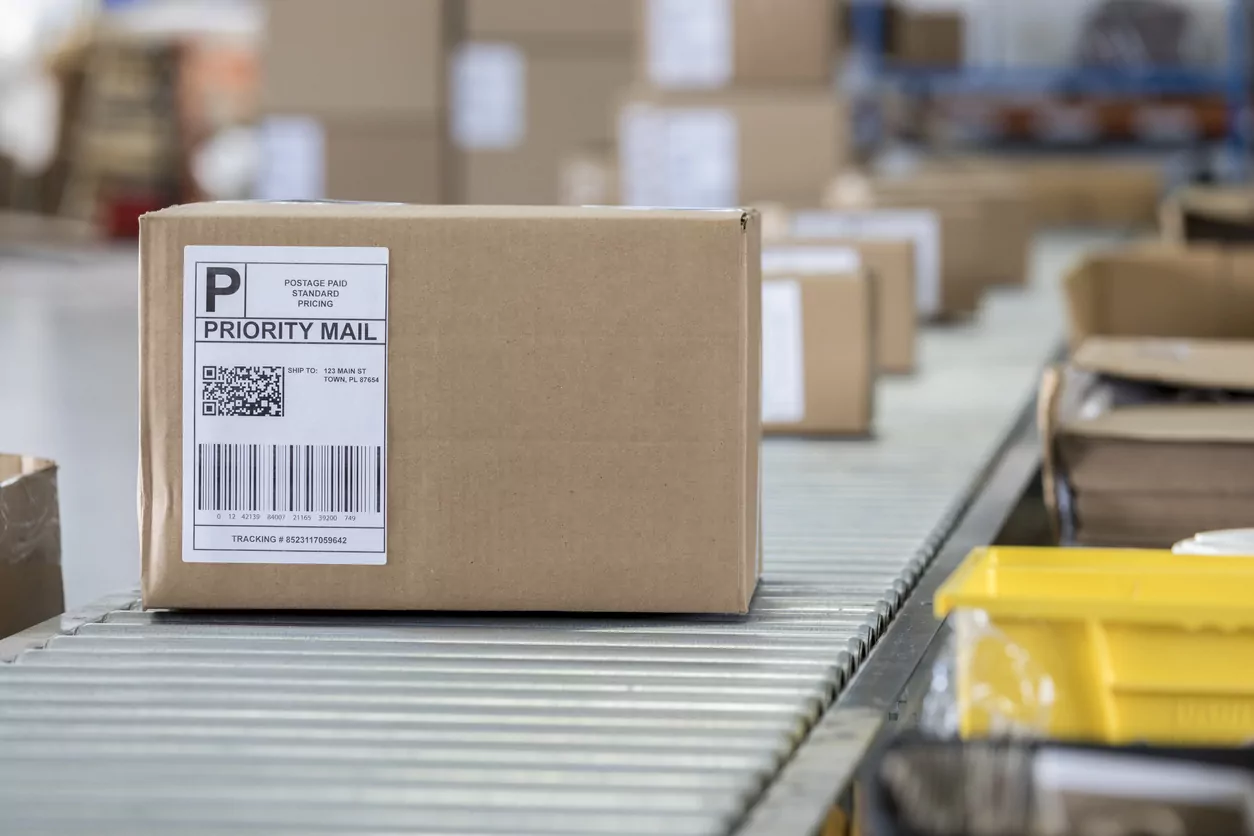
<point>1104,644</point>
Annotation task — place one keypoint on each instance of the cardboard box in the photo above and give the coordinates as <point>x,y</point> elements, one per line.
<point>1209,214</point>
<point>1140,452</point>
<point>534,81</point>
<point>920,227</point>
<point>519,109</point>
<point>890,263</point>
<point>589,177</point>
<point>730,148</point>
<point>370,57</point>
<point>1149,431</point>
<point>30,543</point>
<point>1093,192</point>
<point>713,44</point>
<point>372,159</point>
<point>353,101</point>
<point>965,269</point>
<point>818,348</point>
<point>490,429</point>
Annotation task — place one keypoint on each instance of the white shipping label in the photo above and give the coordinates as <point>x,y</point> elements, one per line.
<point>702,153</point>
<point>285,405</point>
<point>689,43</point>
<point>807,260</point>
<point>489,96</point>
<point>293,159</point>
<point>920,226</point>
<point>783,354</point>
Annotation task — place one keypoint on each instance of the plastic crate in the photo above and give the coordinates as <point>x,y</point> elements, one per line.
<point>1106,645</point>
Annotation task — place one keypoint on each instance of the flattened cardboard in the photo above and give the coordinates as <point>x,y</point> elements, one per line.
<point>368,57</point>
<point>771,43</point>
<point>837,321</point>
<point>554,398</point>
<point>789,143</point>
<point>30,543</point>
<point>891,265</point>
<point>1200,364</point>
<point>1162,291</point>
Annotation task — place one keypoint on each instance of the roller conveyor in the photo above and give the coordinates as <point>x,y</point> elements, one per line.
<point>116,721</point>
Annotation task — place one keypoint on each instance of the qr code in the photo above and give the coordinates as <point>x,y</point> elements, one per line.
<point>242,391</point>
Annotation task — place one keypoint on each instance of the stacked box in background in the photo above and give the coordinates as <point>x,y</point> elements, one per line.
<point>533,81</point>
<point>30,543</point>
<point>353,100</point>
<point>734,104</point>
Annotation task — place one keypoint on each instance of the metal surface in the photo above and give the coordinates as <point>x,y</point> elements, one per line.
<point>120,721</point>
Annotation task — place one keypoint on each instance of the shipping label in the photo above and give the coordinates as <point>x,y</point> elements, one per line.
<point>285,405</point>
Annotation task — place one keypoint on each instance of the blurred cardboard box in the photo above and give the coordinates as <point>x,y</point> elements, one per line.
<point>966,269</point>
<point>369,57</point>
<point>535,80</point>
<point>406,355</point>
<point>730,148</point>
<point>1093,192</point>
<point>818,345</point>
<point>589,177</point>
<point>1200,214</point>
<point>890,263</point>
<point>353,100</point>
<point>341,158</point>
<point>925,38</point>
<point>712,44</point>
<point>920,227</point>
<point>30,543</point>
<point>1149,430</point>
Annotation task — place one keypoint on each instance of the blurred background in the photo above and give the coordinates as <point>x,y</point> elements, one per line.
<point>1078,114</point>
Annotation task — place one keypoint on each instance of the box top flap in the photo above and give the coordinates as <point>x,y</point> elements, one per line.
<point>1203,364</point>
<point>1162,290</point>
<point>348,209</point>
<point>1184,422</point>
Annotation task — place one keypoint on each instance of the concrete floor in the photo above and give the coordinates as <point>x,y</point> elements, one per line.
<point>68,384</point>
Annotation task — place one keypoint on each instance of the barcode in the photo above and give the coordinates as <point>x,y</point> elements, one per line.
<point>323,478</point>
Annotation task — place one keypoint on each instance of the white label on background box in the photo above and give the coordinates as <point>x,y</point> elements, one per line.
<point>783,354</point>
<point>689,43</point>
<point>679,157</point>
<point>916,225</point>
<point>285,405</point>
<point>489,96</point>
<point>809,260</point>
<point>293,159</point>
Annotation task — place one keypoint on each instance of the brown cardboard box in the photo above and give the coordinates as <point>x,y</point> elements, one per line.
<point>377,57</point>
<point>818,346</point>
<point>340,158</point>
<point>541,428</point>
<point>1093,192</point>
<point>710,44</point>
<point>536,105</point>
<point>354,101</point>
<point>589,177</point>
<point>891,265</point>
<point>1209,214</point>
<point>919,227</point>
<point>534,81</point>
<point>30,543</point>
<point>1139,452</point>
<point>730,148</point>
<point>965,268</point>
